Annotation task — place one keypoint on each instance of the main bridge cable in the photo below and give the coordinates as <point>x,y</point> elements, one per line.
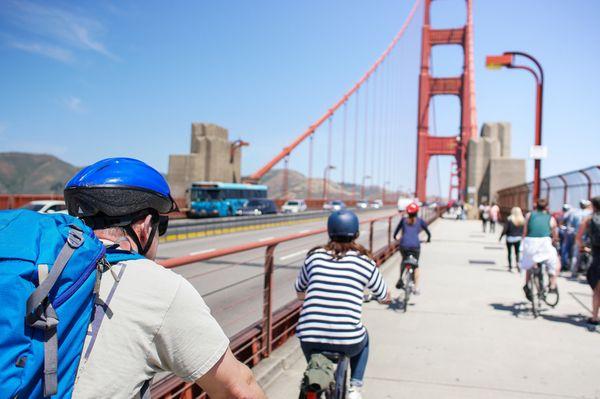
<point>287,150</point>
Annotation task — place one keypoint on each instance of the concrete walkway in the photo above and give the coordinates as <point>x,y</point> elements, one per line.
<point>471,334</point>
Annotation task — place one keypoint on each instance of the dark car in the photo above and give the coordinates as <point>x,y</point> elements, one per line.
<point>257,207</point>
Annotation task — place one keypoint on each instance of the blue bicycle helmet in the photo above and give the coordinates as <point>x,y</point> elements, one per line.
<point>343,226</point>
<point>115,192</point>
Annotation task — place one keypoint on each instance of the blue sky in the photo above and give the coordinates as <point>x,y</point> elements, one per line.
<point>99,79</point>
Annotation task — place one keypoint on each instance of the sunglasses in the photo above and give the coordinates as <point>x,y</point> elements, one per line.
<point>163,223</point>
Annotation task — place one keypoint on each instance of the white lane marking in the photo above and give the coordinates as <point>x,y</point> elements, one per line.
<point>304,231</point>
<point>265,239</point>
<point>293,255</point>
<point>202,252</point>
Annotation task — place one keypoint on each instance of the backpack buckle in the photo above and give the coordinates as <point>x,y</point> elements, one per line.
<point>75,238</point>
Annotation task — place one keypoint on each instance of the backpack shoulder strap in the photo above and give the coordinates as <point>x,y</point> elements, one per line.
<point>41,313</point>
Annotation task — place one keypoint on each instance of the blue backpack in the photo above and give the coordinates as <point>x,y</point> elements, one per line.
<point>50,268</point>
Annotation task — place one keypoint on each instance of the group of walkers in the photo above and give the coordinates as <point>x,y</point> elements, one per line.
<point>564,242</point>
<point>489,214</point>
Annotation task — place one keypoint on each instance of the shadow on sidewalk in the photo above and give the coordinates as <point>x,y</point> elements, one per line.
<point>522,309</point>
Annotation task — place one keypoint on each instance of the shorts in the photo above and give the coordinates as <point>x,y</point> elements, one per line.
<point>539,250</point>
<point>406,252</point>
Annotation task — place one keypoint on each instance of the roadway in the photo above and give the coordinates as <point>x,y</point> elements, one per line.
<point>470,334</point>
<point>232,286</point>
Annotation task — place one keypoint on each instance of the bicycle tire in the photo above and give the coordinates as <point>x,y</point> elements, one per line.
<point>341,379</point>
<point>534,294</point>
<point>408,277</point>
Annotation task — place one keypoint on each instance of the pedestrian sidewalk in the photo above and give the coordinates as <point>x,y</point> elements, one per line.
<point>470,334</point>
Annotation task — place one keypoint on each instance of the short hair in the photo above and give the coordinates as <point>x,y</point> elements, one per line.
<point>542,203</point>
<point>596,203</point>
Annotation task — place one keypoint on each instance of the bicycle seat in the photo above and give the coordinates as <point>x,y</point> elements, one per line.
<point>333,356</point>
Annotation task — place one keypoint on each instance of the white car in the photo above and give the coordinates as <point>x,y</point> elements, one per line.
<point>334,206</point>
<point>294,206</point>
<point>46,206</point>
<point>362,204</point>
<point>377,204</point>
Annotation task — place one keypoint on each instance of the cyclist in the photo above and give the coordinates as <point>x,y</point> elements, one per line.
<point>513,230</point>
<point>539,236</point>
<point>591,227</point>
<point>331,284</point>
<point>155,320</point>
<point>410,243</point>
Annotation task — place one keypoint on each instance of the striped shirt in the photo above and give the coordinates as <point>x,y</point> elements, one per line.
<point>332,308</point>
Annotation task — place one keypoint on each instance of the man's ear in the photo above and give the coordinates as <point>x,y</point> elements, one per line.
<point>142,228</point>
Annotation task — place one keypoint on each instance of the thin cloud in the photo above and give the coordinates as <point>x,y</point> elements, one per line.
<point>57,53</point>
<point>74,104</point>
<point>63,31</point>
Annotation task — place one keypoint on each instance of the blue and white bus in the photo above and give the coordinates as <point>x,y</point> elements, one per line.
<point>210,199</point>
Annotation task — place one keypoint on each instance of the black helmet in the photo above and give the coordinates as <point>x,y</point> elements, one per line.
<point>116,192</point>
<point>343,226</point>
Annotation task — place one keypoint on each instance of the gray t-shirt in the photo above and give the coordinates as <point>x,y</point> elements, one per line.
<point>155,321</point>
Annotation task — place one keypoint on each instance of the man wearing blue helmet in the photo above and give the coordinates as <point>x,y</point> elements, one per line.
<point>147,319</point>
<point>331,284</point>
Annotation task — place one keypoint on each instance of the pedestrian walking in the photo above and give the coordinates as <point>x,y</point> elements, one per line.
<point>590,227</point>
<point>513,230</point>
<point>484,215</point>
<point>494,216</point>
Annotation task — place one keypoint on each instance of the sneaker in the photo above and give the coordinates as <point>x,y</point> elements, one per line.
<point>592,322</point>
<point>400,283</point>
<point>528,294</point>
<point>354,393</point>
<point>416,291</point>
<point>553,290</point>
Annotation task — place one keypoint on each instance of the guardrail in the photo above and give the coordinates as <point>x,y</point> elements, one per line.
<point>181,230</point>
<point>566,188</point>
<point>257,341</point>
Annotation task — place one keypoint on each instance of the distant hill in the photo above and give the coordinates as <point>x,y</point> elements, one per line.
<point>298,184</point>
<point>25,173</point>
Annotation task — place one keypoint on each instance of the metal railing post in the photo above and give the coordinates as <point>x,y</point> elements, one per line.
<point>267,328</point>
<point>371,236</point>
<point>390,231</point>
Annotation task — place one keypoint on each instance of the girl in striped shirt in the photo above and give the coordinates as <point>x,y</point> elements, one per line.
<point>331,283</point>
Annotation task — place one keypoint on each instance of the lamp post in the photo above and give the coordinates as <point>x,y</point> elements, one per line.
<point>507,60</point>
<point>362,188</point>
<point>325,172</point>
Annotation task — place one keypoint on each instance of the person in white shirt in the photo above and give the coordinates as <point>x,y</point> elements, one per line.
<point>148,319</point>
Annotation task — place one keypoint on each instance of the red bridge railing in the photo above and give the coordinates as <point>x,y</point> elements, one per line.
<point>257,341</point>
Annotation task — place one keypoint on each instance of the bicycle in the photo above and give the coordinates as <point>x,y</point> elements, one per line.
<point>338,389</point>
<point>408,278</point>
<point>540,291</point>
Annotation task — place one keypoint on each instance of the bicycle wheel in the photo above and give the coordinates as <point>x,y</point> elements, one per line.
<point>551,298</point>
<point>534,294</point>
<point>341,378</point>
<point>408,282</point>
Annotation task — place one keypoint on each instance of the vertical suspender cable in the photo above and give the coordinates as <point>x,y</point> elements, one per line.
<point>328,166</point>
<point>355,157</point>
<point>365,146</point>
<point>310,166</point>
<point>343,177</point>
<point>374,134</point>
